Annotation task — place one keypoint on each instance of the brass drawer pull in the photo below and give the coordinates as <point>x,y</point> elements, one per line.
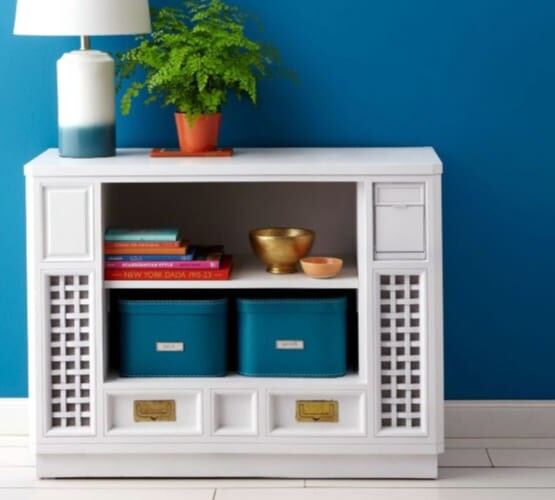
<point>317,411</point>
<point>154,411</point>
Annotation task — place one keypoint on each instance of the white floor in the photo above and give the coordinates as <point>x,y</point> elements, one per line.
<point>476,469</point>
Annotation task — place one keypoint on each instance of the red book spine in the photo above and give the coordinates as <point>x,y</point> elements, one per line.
<point>170,274</point>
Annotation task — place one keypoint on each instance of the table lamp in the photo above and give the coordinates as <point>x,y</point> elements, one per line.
<point>86,86</point>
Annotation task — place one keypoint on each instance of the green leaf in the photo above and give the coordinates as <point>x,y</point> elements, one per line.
<point>195,56</point>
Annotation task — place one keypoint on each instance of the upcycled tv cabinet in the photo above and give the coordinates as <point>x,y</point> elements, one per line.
<point>379,208</point>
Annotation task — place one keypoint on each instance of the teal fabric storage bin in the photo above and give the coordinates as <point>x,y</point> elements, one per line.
<point>292,337</point>
<point>172,338</point>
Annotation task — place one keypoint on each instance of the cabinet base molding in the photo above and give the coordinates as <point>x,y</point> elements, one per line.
<point>14,416</point>
<point>233,465</point>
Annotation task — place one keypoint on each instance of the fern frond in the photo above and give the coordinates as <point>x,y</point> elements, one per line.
<point>195,55</point>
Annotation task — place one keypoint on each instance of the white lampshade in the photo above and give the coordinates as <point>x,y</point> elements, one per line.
<point>86,95</point>
<point>82,17</point>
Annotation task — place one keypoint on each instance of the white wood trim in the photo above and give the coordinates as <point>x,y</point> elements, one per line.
<point>254,163</point>
<point>203,465</point>
<point>463,419</point>
<point>500,419</point>
<point>14,416</point>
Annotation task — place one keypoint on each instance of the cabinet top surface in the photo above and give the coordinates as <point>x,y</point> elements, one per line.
<point>253,163</point>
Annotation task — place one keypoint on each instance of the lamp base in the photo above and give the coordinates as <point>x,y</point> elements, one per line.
<point>87,142</point>
<point>86,104</point>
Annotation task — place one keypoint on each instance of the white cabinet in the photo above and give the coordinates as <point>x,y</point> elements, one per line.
<point>380,209</point>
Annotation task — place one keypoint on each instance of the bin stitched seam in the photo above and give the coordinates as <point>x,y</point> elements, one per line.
<point>252,374</point>
<point>222,374</point>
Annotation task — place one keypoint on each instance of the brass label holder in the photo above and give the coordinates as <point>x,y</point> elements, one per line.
<point>317,411</point>
<point>154,411</point>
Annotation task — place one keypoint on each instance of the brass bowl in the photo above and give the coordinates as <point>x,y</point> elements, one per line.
<point>280,248</point>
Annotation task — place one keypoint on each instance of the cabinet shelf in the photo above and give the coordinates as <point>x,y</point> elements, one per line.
<point>248,272</point>
<point>114,382</point>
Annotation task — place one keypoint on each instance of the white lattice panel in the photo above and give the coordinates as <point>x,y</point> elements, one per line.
<point>401,351</point>
<point>70,351</point>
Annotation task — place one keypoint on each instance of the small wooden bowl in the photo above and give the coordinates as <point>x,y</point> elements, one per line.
<point>321,267</point>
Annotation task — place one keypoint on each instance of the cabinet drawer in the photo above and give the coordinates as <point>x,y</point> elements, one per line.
<point>154,413</point>
<point>388,194</point>
<point>399,229</point>
<point>399,221</point>
<point>316,414</point>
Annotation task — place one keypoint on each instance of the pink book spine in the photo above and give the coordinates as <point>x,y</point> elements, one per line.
<point>159,264</point>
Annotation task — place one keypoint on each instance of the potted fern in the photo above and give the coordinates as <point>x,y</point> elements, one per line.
<point>196,55</point>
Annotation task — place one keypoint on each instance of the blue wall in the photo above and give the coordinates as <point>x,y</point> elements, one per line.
<point>474,78</point>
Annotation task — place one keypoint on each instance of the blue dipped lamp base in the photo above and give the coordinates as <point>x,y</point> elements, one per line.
<point>87,142</point>
<point>86,105</point>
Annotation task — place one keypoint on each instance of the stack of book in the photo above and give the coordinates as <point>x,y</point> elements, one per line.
<point>161,254</point>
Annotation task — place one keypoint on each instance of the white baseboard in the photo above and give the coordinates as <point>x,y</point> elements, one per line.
<point>500,419</point>
<point>463,419</point>
<point>14,416</point>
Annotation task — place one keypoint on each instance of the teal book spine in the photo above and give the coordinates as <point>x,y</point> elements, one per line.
<point>145,234</point>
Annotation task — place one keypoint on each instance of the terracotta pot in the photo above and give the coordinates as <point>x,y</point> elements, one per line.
<point>201,136</point>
